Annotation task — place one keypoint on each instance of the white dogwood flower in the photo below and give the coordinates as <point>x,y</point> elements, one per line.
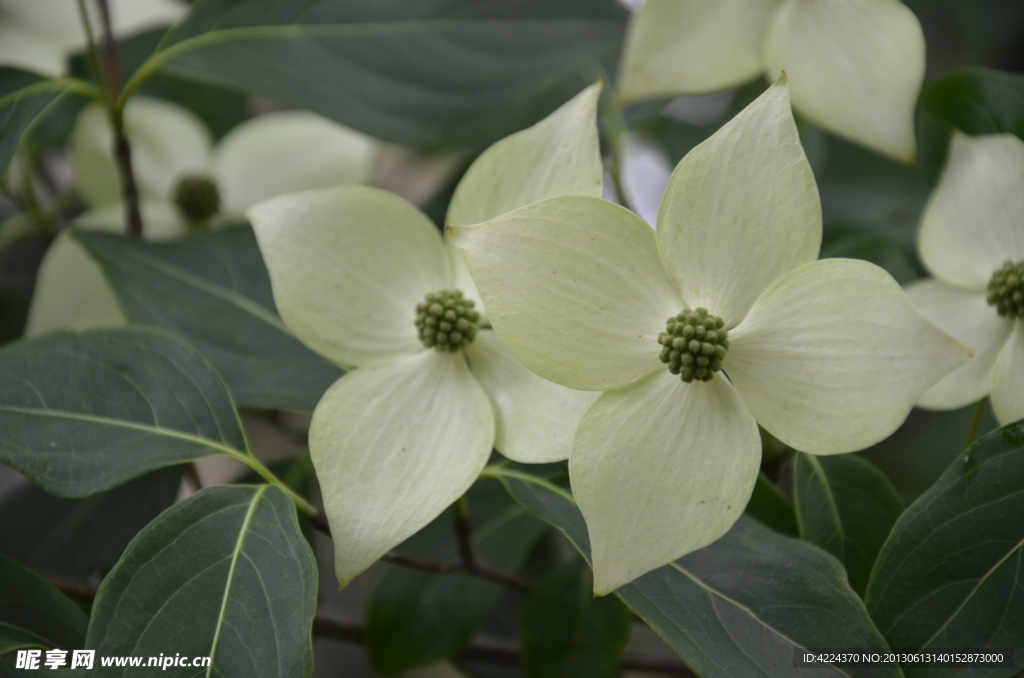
<point>720,320</point>
<point>972,241</point>
<point>39,35</point>
<point>855,67</point>
<point>183,178</point>
<point>365,279</point>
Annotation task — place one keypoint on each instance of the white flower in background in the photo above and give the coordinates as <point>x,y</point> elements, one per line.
<point>39,35</point>
<point>720,320</point>
<point>183,178</point>
<point>972,242</point>
<point>855,67</point>
<point>366,280</point>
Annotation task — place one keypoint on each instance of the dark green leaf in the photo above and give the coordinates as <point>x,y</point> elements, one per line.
<point>978,101</point>
<point>82,413</point>
<point>847,506</point>
<point>81,540</point>
<point>849,242</point>
<point>24,97</point>
<point>226,574</point>
<point>213,290</point>
<point>949,576</point>
<point>769,506</point>
<point>567,632</point>
<point>739,607</point>
<point>424,73</point>
<point>35,614</point>
<point>417,618</point>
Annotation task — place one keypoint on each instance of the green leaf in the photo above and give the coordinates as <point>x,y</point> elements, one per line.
<point>81,540</point>
<point>567,632</point>
<point>949,575</point>
<point>423,73</point>
<point>417,618</point>
<point>35,614</point>
<point>82,413</point>
<point>226,574</point>
<point>978,101</point>
<point>739,607</point>
<point>770,507</point>
<point>847,506</point>
<point>212,289</point>
<point>24,97</point>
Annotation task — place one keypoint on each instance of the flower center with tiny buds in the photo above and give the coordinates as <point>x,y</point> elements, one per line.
<point>197,199</point>
<point>1006,290</point>
<point>694,344</point>
<point>446,321</point>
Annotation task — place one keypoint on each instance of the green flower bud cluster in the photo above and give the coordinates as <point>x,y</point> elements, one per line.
<point>197,199</point>
<point>446,321</point>
<point>1006,290</point>
<point>694,344</point>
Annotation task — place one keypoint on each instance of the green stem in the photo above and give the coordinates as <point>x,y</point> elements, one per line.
<point>265,473</point>
<point>90,43</point>
<point>975,426</point>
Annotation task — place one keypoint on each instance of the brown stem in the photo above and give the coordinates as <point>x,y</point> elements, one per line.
<point>122,150</point>
<point>488,650</point>
<point>319,522</point>
<point>74,590</point>
<point>463,526</point>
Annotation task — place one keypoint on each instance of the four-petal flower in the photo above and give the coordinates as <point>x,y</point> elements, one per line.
<point>721,320</point>
<point>971,229</point>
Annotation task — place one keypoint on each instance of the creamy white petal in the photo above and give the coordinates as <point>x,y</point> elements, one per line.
<point>693,46</point>
<point>168,142</point>
<point>833,357</point>
<point>70,292</point>
<point>286,152</point>
<point>536,418</point>
<point>1008,379</point>
<point>967,317</point>
<point>348,266</point>
<point>660,469</point>
<point>30,52</point>
<point>575,289</point>
<point>741,210</point>
<point>160,219</point>
<point>974,220</point>
<point>463,281</point>
<point>855,68</point>
<point>393,445</point>
<point>557,156</point>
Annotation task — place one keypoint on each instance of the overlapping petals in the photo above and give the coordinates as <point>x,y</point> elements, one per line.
<point>856,66</point>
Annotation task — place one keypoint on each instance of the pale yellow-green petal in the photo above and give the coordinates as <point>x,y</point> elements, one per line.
<point>348,266</point>
<point>393,445</point>
<point>286,152</point>
<point>536,418</point>
<point>575,289</point>
<point>70,292</point>
<point>168,142</point>
<point>160,219</point>
<point>463,281</point>
<point>833,357</point>
<point>1008,379</point>
<point>967,317</point>
<point>741,210</point>
<point>557,156</point>
<point>855,67</point>
<point>692,46</point>
<point>974,220</point>
<point>21,49</point>
<point>660,469</point>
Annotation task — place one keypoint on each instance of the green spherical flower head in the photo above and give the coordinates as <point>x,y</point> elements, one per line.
<point>446,321</point>
<point>1006,290</point>
<point>197,199</point>
<point>694,345</point>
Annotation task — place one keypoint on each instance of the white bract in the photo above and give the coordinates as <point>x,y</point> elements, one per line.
<point>971,228</point>
<point>263,157</point>
<point>405,434</point>
<point>828,356</point>
<point>855,67</point>
<point>39,35</point>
